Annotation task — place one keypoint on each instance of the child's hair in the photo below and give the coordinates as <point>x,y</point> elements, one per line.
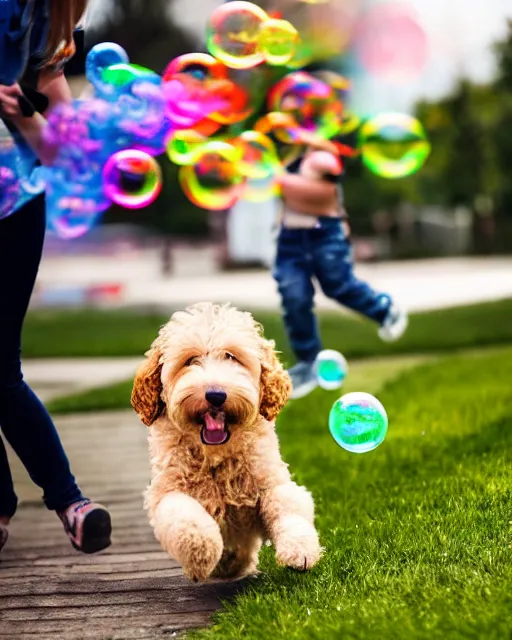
<point>64,17</point>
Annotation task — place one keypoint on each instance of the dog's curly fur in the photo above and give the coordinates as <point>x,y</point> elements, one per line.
<point>211,506</point>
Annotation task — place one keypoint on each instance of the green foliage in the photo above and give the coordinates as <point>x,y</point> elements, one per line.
<point>470,133</point>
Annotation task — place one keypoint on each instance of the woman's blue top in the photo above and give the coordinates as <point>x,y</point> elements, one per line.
<point>23,34</point>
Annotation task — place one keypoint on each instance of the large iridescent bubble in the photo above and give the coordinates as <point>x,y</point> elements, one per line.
<point>132,179</point>
<point>278,41</point>
<point>233,34</point>
<point>100,58</point>
<point>393,145</point>
<point>390,43</point>
<point>312,103</point>
<point>358,422</point>
<point>259,158</point>
<point>214,181</point>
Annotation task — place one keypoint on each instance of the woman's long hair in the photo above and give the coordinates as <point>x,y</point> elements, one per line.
<point>64,17</point>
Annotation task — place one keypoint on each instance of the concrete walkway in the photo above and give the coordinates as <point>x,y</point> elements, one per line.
<point>133,590</point>
<point>419,285</point>
<point>52,378</point>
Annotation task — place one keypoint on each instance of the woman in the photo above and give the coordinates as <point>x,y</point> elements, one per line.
<point>36,39</point>
<point>314,244</point>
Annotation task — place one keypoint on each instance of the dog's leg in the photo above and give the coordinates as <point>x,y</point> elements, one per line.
<point>287,510</point>
<point>239,560</point>
<point>189,534</point>
<point>288,513</point>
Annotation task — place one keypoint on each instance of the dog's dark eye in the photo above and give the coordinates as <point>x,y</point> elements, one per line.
<point>191,361</point>
<point>230,356</point>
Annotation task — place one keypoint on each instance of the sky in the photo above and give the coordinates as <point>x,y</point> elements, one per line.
<point>460,34</point>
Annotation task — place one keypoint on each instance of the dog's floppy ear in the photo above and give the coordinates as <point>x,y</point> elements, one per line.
<point>275,383</point>
<point>147,388</point>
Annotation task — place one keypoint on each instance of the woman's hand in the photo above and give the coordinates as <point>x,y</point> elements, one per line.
<point>9,105</point>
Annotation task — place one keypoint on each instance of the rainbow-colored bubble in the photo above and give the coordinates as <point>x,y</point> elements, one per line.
<point>183,147</point>
<point>213,181</point>
<point>259,158</point>
<point>312,103</point>
<point>233,34</point>
<point>393,145</point>
<point>278,41</point>
<point>132,179</point>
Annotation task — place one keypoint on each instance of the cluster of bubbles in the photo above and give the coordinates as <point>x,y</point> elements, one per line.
<point>242,35</point>
<point>204,114</point>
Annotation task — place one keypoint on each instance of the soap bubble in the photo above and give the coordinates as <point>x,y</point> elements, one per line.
<point>278,41</point>
<point>331,369</point>
<point>390,43</point>
<point>234,34</point>
<point>282,125</point>
<point>312,103</point>
<point>132,179</point>
<point>393,145</point>
<point>214,181</point>
<point>183,147</point>
<point>99,58</point>
<point>10,190</point>
<point>71,215</point>
<point>198,65</point>
<point>121,75</point>
<point>259,157</point>
<point>234,101</point>
<point>358,422</point>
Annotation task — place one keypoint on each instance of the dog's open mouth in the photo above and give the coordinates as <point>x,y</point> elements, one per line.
<point>214,429</point>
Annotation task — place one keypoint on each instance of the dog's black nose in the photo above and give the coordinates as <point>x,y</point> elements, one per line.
<point>216,398</point>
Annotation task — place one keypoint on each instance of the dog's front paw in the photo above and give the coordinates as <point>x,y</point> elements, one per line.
<point>297,545</point>
<point>199,553</point>
<point>190,535</point>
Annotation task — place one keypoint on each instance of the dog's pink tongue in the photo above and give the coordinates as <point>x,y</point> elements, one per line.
<point>214,431</point>
<point>214,423</point>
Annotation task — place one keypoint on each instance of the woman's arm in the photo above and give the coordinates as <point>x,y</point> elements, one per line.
<point>310,197</point>
<point>56,88</point>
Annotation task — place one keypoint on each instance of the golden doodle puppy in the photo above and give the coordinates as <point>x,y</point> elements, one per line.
<point>210,390</point>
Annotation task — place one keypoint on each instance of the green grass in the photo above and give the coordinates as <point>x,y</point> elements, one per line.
<point>108,398</point>
<point>418,533</point>
<point>125,333</point>
<point>367,375</point>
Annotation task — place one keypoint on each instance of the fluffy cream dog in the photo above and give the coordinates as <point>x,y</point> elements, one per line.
<point>210,390</point>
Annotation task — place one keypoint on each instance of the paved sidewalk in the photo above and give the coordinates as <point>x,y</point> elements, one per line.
<point>51,378</point>
<point>419,285</point>
<point>131,591</point>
